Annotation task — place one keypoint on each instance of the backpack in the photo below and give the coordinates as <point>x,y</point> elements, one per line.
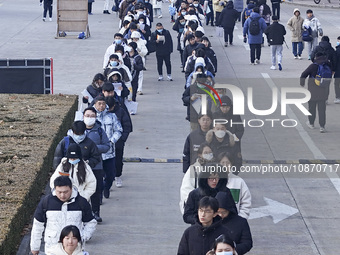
<point>254,26</point>
<point>324,75</point>
<point>307,35</point>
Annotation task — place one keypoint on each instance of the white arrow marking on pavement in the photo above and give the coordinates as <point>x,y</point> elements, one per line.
<point>275,209</point>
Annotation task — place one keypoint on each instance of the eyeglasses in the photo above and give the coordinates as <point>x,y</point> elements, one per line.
<point>205,211</point>
<point>216,179</point>
<point>90,116</point>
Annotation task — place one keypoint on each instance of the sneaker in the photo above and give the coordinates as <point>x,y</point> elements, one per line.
<point>308,57</point>
<point>337,101</point>
<point>50,19</point>
<point>97,217</point>
<point>257,61</point>
<point>139,92</point>
<point>226,44</point>
<point>295,57</point>
<point>300,57</point>
<point>251,63</point>
<point>44,19</point>
<point>160,16</point>
<point>119,182</point>
<point>272,68</point>
<point>106,193</point>
<point>280,66</point>
<point>311,126</point>
<point>322,130</point>
<point>160,78</point>
<point>169,78</point>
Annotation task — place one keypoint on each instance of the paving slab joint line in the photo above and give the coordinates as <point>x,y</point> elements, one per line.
<point>245,161</point>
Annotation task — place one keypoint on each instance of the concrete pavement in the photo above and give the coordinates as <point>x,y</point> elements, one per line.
<point>143,217</point>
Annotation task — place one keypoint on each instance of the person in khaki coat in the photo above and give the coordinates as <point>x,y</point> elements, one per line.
<point>218,6</point>
<point>294,24</point>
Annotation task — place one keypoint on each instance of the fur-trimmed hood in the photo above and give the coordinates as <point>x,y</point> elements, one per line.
<point>210,136</point>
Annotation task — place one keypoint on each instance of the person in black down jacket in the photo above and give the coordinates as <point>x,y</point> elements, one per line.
<point>162,41</point>
<point>319,94</point>
<point>275,35</point>
<point>227,20</point>
<point>210,182</point>
<point>238,226</point>
<point>199,238</point>
<point>325,47</point>
<point>95,88</point>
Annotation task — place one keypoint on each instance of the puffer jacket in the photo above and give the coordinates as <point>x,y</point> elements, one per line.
<point>190,215</point>
<point>317,93</point>
<point>315,25</point>
<point>59,250</point>
<point>254,39</point>
<point>295,25</point>
<point>87,188</point>
<point>88,148</point>
<point>57,215</point>
<point>326,48</point>
<point>100,138</point>
<point>228,16</point>
<point>112,128</point>
<point>93,91</point>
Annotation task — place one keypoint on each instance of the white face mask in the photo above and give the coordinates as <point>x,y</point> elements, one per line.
<point>208,156</point>
<point>89,121</point>
<point>128,49</point>
<point>220,133</point>
<point>224,253</point>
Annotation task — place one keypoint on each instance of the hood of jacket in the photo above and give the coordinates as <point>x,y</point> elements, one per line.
<point>114,71</point>
<point>312,17</point>
<point>205,189</point>
<point>226,202</point>
<point>255,15</point>
<point>296,10</point>
<point>230,5</point>
<point>210,136</point>
<point>251,6</point>
<point>217,221</point>
<point>321,60</point>
<point>325,45</point>
<point>199,64</point>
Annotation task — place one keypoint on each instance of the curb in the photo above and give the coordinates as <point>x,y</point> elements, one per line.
<point>245,161</point>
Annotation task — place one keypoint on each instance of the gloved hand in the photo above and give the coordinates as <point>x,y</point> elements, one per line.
<point>245,39</point>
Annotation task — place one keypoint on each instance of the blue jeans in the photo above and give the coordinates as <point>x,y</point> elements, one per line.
<point>297,48</point>
<point>109,166</point>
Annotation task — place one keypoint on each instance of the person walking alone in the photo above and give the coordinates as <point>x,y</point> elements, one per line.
<point>48,4</point>
<point>275,34</point>
<point>294,24</point>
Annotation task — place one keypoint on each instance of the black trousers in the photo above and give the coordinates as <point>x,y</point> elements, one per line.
<point>119,150</point>
<point>95,198</point>
<point>228,33</point>
<point>217,18</point>
<point>255,50</point>
<point>47,7</point>
<point>166,59</point>
<point>134,85</point>
<point>210,17</point>
<point>89,5</point>
<point>321,104</point>
<point>276,10</point>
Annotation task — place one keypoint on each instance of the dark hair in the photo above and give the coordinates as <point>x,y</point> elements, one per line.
<point>256,9</point>
<point>78,127</point>
<point>193,24</point>
<point>181,17</point>
<point>159,24</point>
<point>110,101</point>
<point>190,36</point>
<point>114,56</point>
<point>200,52</point>
<point>338,38</point>
<point>81,174</point>
<point>107,87</point>
<point>125,22</point>
<point>202,146</point>
<point>118,35</point>
<point>133,25</point>
<point>199,34</point>
<point>223,239</point>
<point>204,38</point>
<point>99,98</point>
<point>309,11</point>
<point>62,181</point>
<point>325,38</point>
<point>208,201</point>
<point>119,48</point>
<point>209,114</point>
<point>91,108</point>
<point>67,230</point>
<point>133,45</point>
<point>97,77</point>
<point>225,154</point>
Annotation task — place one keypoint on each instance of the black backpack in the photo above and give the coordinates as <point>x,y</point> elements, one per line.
<point>254,26</point>
<point>307,35</point>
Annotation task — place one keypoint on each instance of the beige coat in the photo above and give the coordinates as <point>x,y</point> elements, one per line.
<point>294,24</point>
<point>217,5</point>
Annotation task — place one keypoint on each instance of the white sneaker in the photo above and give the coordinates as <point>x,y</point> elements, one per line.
<point>311,126</point>
<point>160,16</point>
<point>160,78</point>
<point>337,101</point>
<point>295,57</point>
<point>300,57</point>
<point>119,182</point>
<point>50,19</point>
<point>272,68</point>
<point>169,78</point>
<point>257,61</point>
<point>322,130</point>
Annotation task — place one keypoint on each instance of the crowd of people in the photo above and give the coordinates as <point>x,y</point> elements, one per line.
<point>217,203</point>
